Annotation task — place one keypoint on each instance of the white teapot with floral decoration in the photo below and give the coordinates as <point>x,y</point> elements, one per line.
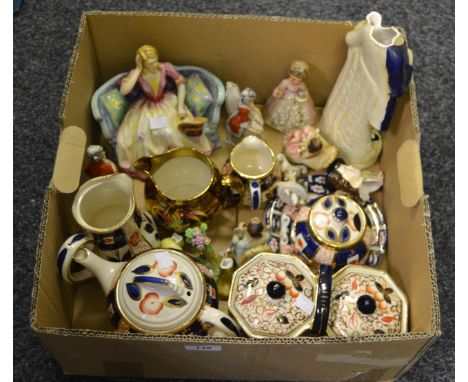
<point>161,291</point>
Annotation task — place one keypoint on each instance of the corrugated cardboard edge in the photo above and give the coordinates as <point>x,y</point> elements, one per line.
<point>71,68</point>
<point>435,321</point>
<point>37,267</point>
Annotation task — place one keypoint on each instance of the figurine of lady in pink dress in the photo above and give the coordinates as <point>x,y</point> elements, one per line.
<point>290,107</point>
<point>158,120</point>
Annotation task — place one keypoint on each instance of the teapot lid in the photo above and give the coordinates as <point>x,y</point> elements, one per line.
<point>366,301</point>
<point>337,221</point>
<point>274,295</point>
<point>160,291</point>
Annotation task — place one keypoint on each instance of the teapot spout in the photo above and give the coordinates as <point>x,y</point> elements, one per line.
<point>105,271</point>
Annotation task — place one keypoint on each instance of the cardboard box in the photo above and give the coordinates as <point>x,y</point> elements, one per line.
<point>255,51</point>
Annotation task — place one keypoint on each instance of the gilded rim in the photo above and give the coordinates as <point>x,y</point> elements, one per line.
<point>178,328</point>
<point>360,269</point>
<point>256,177</point>
<point>178,153</point>
<point>79,197</point>
<point>307,324</point>
<point>332,245</point>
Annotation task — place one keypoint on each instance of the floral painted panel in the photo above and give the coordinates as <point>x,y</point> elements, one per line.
<point>274,317</point>
<point>364,305</point>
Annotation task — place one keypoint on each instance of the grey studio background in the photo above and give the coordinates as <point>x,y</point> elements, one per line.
<point>44,35</point>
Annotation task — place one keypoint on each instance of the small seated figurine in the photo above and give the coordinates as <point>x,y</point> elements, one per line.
<point>290,107</point>
<point>249,239</point>
<point>244,117</point>
<point>99,165</point>
<point>306,146</point>
<point>158,119</point>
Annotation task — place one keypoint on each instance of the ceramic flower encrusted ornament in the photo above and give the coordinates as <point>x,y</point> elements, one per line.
<point>158,119</point>
<point>290,107</point>
<point>199,246</point>
<point>377,71</point>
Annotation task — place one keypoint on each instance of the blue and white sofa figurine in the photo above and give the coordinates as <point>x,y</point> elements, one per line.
<point>109,118</point>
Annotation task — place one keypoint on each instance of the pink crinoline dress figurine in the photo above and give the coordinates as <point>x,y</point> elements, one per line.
<point>158,120</point>
<point>290,107</point>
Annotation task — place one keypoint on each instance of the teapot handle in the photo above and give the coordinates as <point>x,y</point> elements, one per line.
<point>232,190</point>
<point>66,254</point>
<point>319,327</point>
<point>224,326</point>
<point>144,165</point>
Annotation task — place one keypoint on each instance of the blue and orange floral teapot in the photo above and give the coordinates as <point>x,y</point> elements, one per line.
<point>161,291</point>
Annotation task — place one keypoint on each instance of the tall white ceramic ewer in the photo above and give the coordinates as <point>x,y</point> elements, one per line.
<point>105,207</point>
<point>377,71</point>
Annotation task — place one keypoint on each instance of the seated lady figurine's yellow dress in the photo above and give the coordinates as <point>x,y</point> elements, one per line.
<point>151,125</point>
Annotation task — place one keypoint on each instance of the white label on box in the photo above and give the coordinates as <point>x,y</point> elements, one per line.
<point>203,348</point>
<point>164,260</point>
<point>157,123</point>
<point>305,304</point>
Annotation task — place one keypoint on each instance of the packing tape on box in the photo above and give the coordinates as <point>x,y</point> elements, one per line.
<point>361,360</point>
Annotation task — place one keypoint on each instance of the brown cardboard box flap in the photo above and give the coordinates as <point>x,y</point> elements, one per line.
<point>410,173</point>
<point>69,160</point>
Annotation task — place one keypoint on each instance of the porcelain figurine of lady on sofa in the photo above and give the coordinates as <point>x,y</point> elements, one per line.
<point>158,119</point>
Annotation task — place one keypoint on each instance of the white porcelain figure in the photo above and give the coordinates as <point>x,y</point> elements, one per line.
<point>288,190</point>
<point>249,237</point>
<point>244,118</point>
<point>377,71</point>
